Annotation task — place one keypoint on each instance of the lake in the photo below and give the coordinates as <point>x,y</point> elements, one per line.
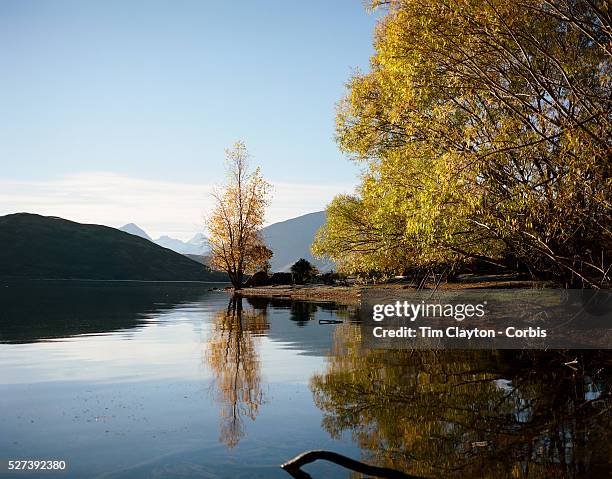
<point>131,380</point>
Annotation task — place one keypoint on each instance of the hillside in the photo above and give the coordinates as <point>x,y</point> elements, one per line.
<point>34,246</point>
<point>290,240</point>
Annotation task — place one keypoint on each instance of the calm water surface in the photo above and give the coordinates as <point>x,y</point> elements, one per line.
<point>130,380</point>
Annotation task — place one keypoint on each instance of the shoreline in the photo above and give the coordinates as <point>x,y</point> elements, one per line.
<point>351,295</point>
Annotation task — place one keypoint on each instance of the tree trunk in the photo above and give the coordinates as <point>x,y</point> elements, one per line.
<point>237,280</point>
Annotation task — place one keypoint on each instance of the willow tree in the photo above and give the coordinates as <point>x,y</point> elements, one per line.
<point>485,130</point>
<point>235,224</point>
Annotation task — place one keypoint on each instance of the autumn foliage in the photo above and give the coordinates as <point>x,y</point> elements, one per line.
<point>484,129</point>
<point>235,224</point>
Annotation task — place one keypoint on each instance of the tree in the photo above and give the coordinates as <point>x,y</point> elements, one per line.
<point>485,131</point>
<point>235,224</point>
<point>303,271</point>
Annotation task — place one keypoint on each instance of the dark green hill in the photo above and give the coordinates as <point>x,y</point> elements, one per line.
<point>34,246</point>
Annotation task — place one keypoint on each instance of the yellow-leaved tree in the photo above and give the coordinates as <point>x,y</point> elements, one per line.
<point>235,224</point>
<point>485,134</point>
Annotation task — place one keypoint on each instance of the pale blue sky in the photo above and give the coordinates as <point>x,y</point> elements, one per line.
<point>153,91</point>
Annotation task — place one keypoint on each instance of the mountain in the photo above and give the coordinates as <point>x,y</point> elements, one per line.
<point>34,246</point>
<point>133,229</point>
<point>198,245</point>
<point>180,246</point>
<point>170,243</point>
<point>290,240</point>
<point>200,241</point>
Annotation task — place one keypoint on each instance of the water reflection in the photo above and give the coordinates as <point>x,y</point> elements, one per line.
<point>429,413</point>
<point>302,312</point>
<point>231,352</point>
<point>470,413</point>
<point>233,358</point>
<point>122,392</point>
<point>38,310</point>
<point>435,414</point>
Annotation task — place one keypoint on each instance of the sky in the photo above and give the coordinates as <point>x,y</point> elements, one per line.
<point>119,111</point>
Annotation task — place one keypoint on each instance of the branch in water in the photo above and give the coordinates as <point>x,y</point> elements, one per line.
<point>293,466</point>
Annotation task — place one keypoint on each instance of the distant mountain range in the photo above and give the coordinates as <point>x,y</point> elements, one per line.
<point>289,240</point>
<point>46,247</point>
<point>195,246</point>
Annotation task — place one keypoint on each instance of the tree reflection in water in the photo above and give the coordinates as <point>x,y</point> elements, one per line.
<point>301,312</point>
<point>471,413</point>
<point>233,358</point>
